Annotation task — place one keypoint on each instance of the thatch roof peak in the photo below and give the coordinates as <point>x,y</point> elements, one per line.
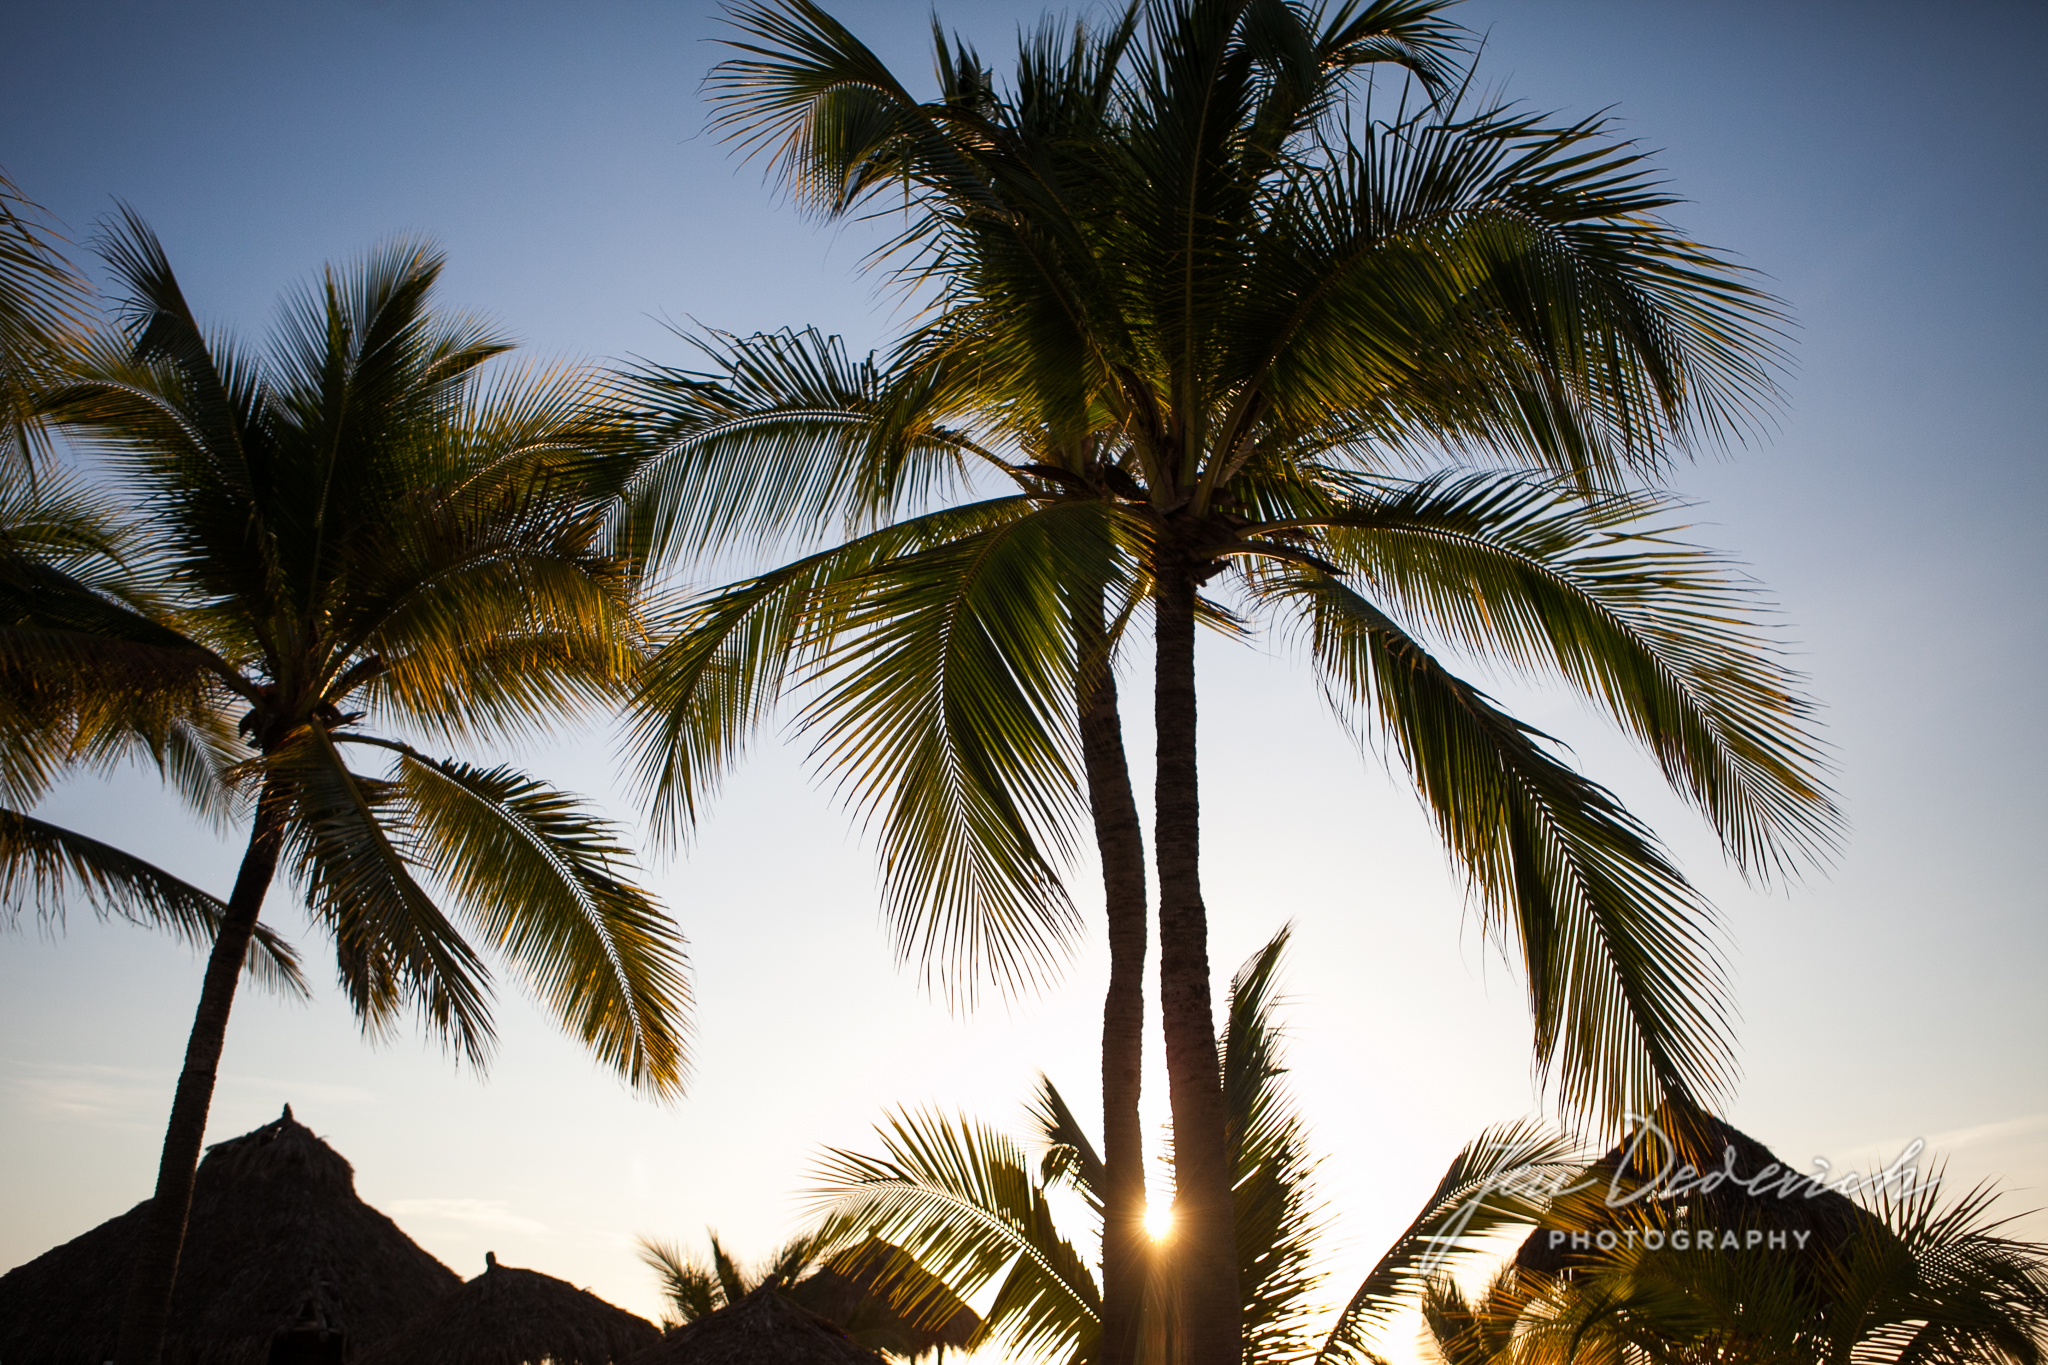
<point>283,1149</point>
<point>277,1230</point>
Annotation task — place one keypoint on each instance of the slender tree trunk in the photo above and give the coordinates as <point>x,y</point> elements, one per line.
<point>1204,1235</point>
<point>153,1274</point>
<point>1120,840</point>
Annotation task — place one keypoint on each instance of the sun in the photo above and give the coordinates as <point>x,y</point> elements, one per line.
<point>1158,1220</point>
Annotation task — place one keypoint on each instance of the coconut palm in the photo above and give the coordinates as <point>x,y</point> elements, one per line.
<point>783,411</point>
<point>967,1204</point>
<point>44,314</point>
<point>1919,1280</point>
<point>355,527</point>
<point>969,870</point>
<point>1258,306</point>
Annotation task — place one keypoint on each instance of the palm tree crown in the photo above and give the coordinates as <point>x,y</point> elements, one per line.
<point>1219,311</point>
<point>354,530</point>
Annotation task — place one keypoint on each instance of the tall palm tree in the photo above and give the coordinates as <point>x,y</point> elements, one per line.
<point>780,414</point>
<point>765,442</point>
<point>967,1205</point>
<point>355,520</point>
<point>1262,306</point>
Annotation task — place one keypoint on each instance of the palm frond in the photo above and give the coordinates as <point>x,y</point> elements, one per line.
<point>1500,1179</point>
<point>959,1198</point>
<point>691,1288</point>
<point>1624,987</point>
<point>946,711</point>
<point>353,850</point>
<point>94,668</point>
<point>729,655</point>
<point>784,438</point>
<point>547,884</point>
<point>1661,634</point>
<point>43,866</point>
<point>1277,1225</point>
<point>1070,1155</point>
<point>45,310</point>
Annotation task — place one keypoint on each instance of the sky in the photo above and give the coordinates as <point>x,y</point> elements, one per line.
<point>1870,165</point>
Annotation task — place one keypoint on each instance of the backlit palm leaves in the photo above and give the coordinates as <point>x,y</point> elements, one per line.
<point>970,1206</point>
<point>44,314</point>
<point>1185,243</point>
<point>352,532</point>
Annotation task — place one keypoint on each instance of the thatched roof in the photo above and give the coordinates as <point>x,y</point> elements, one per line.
<point>508,1316</point>
<point>764,1328</point>
<point>275,1224</point>
<point>1772,1195</point>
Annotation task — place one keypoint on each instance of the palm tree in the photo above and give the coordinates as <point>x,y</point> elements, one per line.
<point>787,435</point>
<point>778,414</point>
<point>354,520</point>
<point>1261,307</point>
<point>966,1204</point>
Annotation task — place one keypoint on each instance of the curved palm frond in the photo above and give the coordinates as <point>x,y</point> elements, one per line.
<point>45,311</point>
<point>487,619</point>
<point>1624,986</point>
<point>353,849</point>
<point>959,1198</point>
<point>42,865</point>
<point>730,654</point>
<point>93,666</point>
<point>1499,282</point>
<point>946,710</point>
<point>785,438</point>
<point>545,881</point>
<point>1500,1179</point>
<point>1660,633</point>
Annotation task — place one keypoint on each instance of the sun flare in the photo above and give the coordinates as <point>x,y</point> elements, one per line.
<point>1158,1220</point>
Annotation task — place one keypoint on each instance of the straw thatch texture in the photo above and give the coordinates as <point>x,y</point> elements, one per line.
<point>1772,1196</point>
<point>275,1223</point>
<point>764,1328</point>
<point>508,1316</point>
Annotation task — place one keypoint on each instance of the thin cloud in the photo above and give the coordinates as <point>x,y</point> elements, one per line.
<point>493,1215</point>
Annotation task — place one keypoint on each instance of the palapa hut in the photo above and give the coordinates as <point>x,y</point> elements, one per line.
<point>764,1328</point>
<point>1736,1184</point>
<point>508,1316</point>
<point>277,1239</point>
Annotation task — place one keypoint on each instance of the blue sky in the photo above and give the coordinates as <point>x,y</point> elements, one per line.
<point>1870,164</point>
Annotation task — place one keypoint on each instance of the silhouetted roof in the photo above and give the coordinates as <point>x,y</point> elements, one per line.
<point>1766,1194</point>
<point>764,1328</point>
<point>275,1222</point>
<point>508,1316</point>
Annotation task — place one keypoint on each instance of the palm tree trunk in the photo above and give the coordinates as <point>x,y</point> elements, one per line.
<point>1119,839</point>
<point>153,1274</point>
<point>1204,1237</point>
